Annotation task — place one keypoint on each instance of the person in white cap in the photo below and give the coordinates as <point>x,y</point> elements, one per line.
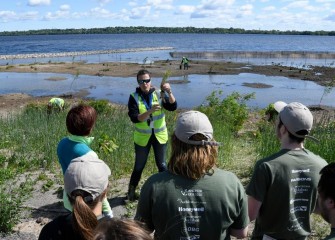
<point>194,199</point>
<point>326,199</point>
<point>85,182</point>
<point>282,190</point>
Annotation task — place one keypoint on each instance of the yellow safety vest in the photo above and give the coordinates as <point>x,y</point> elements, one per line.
<point>143,130</point>
<point>57,102</point>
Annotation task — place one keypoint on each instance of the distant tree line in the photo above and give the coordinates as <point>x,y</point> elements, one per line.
<point>141,29</point>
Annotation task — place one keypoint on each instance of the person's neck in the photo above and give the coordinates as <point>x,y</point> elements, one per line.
<point>287,143</point>
<point>97,210</point>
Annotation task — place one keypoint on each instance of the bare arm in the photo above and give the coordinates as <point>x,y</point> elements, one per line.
<point>253,207</point>
<point>167,88</point>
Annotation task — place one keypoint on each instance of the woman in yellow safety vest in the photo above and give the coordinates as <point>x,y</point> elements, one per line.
<point>145,109</point>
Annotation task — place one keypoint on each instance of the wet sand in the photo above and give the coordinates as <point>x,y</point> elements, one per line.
<point>320,75</point>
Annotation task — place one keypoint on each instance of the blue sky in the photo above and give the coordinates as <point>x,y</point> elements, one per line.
<point>298,15</point>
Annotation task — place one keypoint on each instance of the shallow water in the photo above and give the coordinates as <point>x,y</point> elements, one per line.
<point>189,94</point>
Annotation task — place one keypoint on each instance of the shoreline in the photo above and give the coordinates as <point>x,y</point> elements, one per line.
<point>79,53</point>
<point>321,75</point>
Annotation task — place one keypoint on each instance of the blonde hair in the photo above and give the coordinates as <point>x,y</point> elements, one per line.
<point>192,161</point>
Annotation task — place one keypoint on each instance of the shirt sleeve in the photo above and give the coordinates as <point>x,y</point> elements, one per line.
<point>133,110</point>
<point>143,212</point>
<point>242,220</point>
<point>169,106</point>
<point>259,182</point>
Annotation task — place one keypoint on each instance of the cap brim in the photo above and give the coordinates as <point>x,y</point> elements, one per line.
<point>279,105</point>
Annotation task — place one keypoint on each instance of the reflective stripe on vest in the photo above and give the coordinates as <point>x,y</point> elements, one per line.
<point>149,131</point>
<point>143,130</point>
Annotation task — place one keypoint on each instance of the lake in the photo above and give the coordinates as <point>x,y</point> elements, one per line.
<point>189,95</point>
<point>179,42</point>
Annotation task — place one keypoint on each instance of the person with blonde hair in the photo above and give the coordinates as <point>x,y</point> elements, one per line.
<point>194,199</point>
<point>121,229</point>
<point>85,181</point>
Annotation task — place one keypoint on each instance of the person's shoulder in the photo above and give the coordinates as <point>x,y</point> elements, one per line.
<point>316,157</point>
<point>60,224</point>
<point>224,174</point>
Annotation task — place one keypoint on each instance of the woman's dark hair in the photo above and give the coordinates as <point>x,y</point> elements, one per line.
<point>121,229</point>
<point>142,72</point>
<point>80,120</point>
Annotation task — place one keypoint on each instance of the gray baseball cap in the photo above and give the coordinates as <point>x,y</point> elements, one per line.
<point>87,173</point>
<point>193,122</point>
<point>295,117</point>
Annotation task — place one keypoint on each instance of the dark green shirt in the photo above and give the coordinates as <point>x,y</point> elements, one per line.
<point>331,236</point>
<point>180,208</point>
<point>286,184</point>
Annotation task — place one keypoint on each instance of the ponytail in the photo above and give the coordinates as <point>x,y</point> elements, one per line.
<point>84,220</point>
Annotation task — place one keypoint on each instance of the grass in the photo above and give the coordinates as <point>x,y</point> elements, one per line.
<point>28,142</point>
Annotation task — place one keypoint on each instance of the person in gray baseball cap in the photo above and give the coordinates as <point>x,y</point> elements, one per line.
<point>282,190</point>
<point>85,183</point>
<point>194,199</point>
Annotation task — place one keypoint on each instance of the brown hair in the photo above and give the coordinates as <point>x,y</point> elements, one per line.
<point>327,180</point>
<point>80,120</point>
<point>121,229</point>
<point>291,136</point>
<point>142,72</point>
<point>192,161</point>
<point>84,220</point>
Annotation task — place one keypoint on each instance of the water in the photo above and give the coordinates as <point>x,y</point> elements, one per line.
<point>189,95</point>
<point>179,42</point>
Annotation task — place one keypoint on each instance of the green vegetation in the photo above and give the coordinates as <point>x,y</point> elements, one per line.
<point>28,142</point>
<point>142,29</point>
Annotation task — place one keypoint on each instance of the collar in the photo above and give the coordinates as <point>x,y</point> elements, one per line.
<point>81,139</point>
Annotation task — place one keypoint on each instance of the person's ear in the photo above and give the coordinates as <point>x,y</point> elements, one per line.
<point>330,203</point>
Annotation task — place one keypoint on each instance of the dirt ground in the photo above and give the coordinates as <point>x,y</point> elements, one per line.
<point>44,206</point>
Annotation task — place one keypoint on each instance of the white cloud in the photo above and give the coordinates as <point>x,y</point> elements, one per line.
<point>39,2</point>
<point>326,1</point>
<point>269,8</point>
<point>29,15</point>
<point>7,16</point>
<point>65,7</point>
<point>140,12</point>
<point>161,4</point>
<point>184,9</point>
<point>246,9</point>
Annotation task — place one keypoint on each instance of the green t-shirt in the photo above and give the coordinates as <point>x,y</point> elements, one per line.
<point>180,208</point>
<point>286,184</point>
<point>331,236</point>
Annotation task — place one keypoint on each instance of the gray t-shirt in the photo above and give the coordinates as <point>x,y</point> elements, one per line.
<point>286,184</point>
<point>179,208</point>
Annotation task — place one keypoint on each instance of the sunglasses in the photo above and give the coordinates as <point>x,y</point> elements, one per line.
<point>144,81</point>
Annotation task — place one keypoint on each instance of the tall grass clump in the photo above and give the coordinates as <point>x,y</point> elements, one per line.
<point>323,130</point>
<point>227,117</point>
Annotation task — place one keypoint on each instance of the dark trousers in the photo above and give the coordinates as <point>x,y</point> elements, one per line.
<point>141,157</point>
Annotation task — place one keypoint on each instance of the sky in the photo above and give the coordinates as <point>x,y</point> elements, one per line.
<point>299,15</point>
